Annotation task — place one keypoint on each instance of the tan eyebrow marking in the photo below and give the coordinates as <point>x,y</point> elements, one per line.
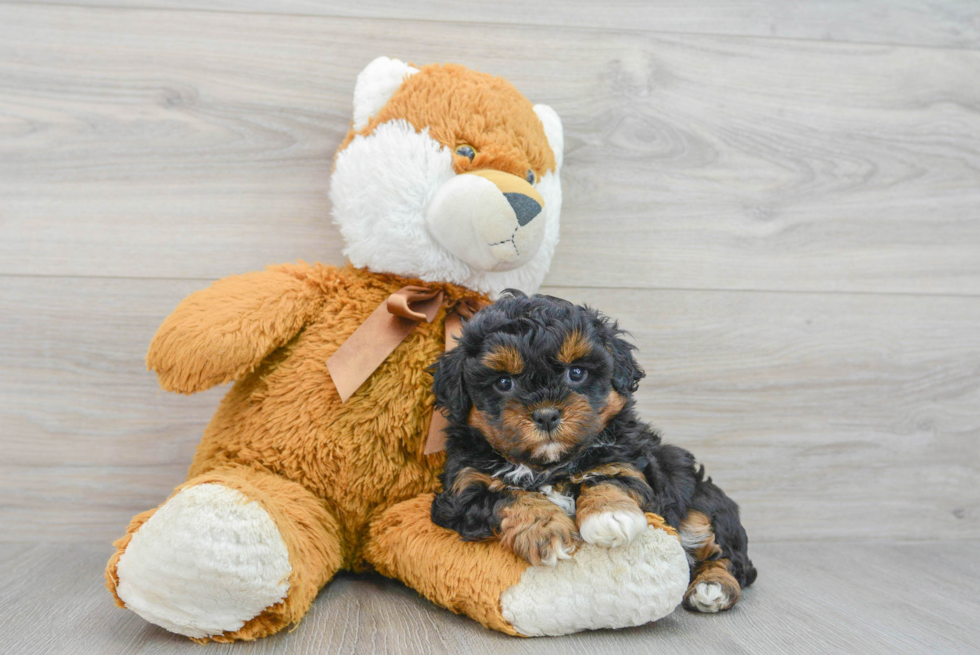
<point>575,346</point>
<point>505,359</point>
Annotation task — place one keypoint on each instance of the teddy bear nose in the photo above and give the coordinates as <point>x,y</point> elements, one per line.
<point>525,207</point>
<point>546,418</point>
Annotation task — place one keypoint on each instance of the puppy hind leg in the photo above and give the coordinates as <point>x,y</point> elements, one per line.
<point>713,588</point>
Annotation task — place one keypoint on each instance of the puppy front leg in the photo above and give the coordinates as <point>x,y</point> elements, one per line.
<point>608,510</point>
<point>479,507</point>
<point>536,529</point>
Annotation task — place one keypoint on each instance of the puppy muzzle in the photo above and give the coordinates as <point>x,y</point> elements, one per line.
<point>491,220</point>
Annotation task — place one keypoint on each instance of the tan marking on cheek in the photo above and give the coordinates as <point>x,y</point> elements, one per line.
<point>610,471</point>
<point>505,359</point>
<point>574,347</point>
<point>614,405</point>
<point>520,434</point>
<point>604,497</point>
<point>579,421</point>
<point>478,420</point>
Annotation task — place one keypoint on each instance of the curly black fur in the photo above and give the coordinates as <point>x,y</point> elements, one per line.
<point>537,326</point>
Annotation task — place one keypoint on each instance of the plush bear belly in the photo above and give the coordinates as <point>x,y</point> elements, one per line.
<point>359,456</point>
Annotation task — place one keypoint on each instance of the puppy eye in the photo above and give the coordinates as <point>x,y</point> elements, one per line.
<point>576,374</point>
<point>530,177</point>
<point>503,384</point>
<point>466,151</point>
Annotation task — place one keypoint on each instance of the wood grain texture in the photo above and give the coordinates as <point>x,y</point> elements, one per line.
<point>810,598</point>
<point>151,144</point>
<point>946,23</point>
<point>825,416</point>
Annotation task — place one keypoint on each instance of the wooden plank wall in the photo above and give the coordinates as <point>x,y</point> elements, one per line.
<point>782,205</point>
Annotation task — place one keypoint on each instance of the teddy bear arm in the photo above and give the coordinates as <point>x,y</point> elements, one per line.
<point>221,333</point>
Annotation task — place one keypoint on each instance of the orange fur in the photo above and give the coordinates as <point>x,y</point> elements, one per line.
<point>604,497</point>
<point>534,528</point>
<point>505,359</point>
<point>575,346</point>
<point>281,434</point>
<point>465,577</point>
<point>461,106</point>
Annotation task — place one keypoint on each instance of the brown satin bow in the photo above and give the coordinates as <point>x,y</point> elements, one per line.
<point>378,336</point>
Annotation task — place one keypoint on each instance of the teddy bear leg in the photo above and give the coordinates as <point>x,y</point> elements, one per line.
<point>233,554</point>
<point>598,588</point>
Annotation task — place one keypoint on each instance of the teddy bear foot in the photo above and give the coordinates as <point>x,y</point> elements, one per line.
<point>601,587</point>
<point>206,562</point>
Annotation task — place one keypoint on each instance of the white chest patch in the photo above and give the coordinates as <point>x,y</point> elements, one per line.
<point>566,503</point>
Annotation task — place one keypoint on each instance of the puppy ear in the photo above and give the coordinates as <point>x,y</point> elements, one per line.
<point>627,373</point>
<point>448,386</point>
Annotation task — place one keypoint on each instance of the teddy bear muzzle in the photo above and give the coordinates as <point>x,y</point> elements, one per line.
<point>490,219</point>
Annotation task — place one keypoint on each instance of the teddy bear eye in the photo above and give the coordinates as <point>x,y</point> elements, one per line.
<point>576,374</point>
<point>466,151</point>
<point>530,177</point>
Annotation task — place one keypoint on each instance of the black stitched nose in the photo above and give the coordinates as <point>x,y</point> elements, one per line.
<point>547,418</point>
<point>525,207</point>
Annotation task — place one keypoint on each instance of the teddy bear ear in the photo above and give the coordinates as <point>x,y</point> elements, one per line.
<point>553,130</point>
<point>375,85</point>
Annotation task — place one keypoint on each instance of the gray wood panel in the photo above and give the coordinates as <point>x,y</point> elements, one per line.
<point>810,598</point>
<point>825,415</point>
<point>153,144</point>
<point>949,23</point>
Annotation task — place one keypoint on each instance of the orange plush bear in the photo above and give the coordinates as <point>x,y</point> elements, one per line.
<point>446,191</point>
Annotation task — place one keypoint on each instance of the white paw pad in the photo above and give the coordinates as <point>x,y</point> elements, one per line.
<point>708,597</point>
<point>205,563</point>
<point>613,529</point>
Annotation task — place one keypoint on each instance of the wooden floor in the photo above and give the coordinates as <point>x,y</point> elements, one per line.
<point>781,200</point>
<point>860,597</point>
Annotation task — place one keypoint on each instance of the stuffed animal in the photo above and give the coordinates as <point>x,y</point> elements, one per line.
<point>321,457</point>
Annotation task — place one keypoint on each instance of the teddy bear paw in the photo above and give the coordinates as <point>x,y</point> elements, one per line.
<point>599,587</point>
<point>205,563</point>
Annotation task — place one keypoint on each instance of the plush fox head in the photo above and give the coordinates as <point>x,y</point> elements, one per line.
<point>449,175</point>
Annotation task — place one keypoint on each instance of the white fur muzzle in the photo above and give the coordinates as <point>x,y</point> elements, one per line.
<point>471,218</point>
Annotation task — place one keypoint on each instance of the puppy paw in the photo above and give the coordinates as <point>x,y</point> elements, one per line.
<point>612,529</point>
<point>707,597</point>
<point>714,588</point>
<point>541,537</point>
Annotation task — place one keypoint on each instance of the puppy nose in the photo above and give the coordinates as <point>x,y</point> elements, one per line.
<point>547,418</point>
<point>525,207</point>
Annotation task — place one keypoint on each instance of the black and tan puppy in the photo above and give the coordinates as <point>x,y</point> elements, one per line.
<point>544,448</point>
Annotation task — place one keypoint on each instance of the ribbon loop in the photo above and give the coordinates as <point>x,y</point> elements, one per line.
<point>377,337</point>
<point>415,303</point>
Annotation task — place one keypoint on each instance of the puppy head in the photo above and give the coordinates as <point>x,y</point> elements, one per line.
<point>537,376</point>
